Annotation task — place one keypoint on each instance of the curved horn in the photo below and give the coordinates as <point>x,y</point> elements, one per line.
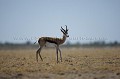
<point>62,28</point>
<point>66,27</point>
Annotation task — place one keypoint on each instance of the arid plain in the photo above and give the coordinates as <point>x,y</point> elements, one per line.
<point>78,63</point>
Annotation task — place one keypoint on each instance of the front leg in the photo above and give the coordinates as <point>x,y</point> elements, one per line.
<point>57,53</point>
<point>60,54</point>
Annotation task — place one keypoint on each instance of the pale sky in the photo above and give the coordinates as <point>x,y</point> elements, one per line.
<point>87,20</point>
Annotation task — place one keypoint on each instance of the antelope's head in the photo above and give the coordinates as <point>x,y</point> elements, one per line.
<point>65,32</point>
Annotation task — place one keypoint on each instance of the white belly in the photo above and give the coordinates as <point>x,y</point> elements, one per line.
<point>48,44</point>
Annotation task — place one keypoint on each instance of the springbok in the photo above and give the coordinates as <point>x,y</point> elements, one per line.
<point>57,41</point>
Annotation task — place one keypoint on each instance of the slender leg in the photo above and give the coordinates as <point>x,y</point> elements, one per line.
<point>40,54</point>
<point>60,54</point>
<point>37,54</point>
<point>57,53</point>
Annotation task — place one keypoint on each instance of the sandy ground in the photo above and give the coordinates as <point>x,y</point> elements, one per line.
<point>78,63</point>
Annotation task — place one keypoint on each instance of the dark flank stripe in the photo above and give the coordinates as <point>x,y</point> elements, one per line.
<point>50,41</point>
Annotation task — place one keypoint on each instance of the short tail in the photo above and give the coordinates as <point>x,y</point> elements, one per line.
<point>35,42</point>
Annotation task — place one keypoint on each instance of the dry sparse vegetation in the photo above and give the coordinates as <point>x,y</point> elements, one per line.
<point>78,63</point>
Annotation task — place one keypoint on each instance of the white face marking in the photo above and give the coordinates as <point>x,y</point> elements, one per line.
<point>48,44</point>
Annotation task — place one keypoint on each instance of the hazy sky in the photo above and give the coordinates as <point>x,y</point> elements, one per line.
<point>87,20</point>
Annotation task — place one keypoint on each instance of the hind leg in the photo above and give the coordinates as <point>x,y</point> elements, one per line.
<point>38,52</point>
